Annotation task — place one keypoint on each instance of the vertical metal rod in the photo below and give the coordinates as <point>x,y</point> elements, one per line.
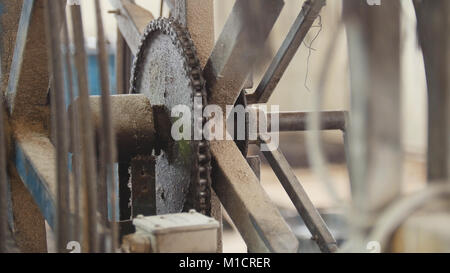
<point>53,9</point>
<point>87,135</point>
<point>109,148</point>
<point>102,180</point>
<point>3,175</point>
<point>375,131</point>
<point>73,132</point>
<point>432,22</point>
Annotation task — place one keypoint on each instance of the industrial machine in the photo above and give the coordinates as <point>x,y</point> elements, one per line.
<point>105,171</point>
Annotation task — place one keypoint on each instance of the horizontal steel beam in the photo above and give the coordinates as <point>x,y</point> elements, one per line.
<point>298,121</point>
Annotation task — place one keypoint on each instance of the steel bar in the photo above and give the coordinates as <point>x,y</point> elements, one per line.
<point>238,48</point>
<point>87,135</point>
<point>255,216</point>
<point>298,121</point>
<point>132,20</point>
<point>108,135</point>
<point>74,134</point>
<point>309,13</point>
<point>133,138</point>
<point>432,22</point>
<point>60,121</point>
<point>300,199</point>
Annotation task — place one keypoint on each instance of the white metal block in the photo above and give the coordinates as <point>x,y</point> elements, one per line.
<point>173,233</point>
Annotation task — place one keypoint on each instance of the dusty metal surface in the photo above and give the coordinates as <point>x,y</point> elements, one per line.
<point>28,79</point>
<point>29,223</point>
<point>132,138</point>
<point>168,72</point>
<point>258,220</point>
<point>198,17</point>
<point>27,92</point>
<point>238,48</point>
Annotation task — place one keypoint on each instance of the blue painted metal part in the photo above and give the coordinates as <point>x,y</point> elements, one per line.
<point>36,185</point>
<point>16,63</point>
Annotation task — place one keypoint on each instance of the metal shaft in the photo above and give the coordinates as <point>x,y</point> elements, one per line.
<point>60,121</point>
<point>87,136</point>
<point>109,148</point>
<point>298,121</point>
<point>74,134</point>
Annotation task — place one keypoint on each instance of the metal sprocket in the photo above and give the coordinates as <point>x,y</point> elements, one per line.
<point>167,70</point>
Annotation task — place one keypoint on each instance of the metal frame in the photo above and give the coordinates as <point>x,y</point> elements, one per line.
<point>237,186</point>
